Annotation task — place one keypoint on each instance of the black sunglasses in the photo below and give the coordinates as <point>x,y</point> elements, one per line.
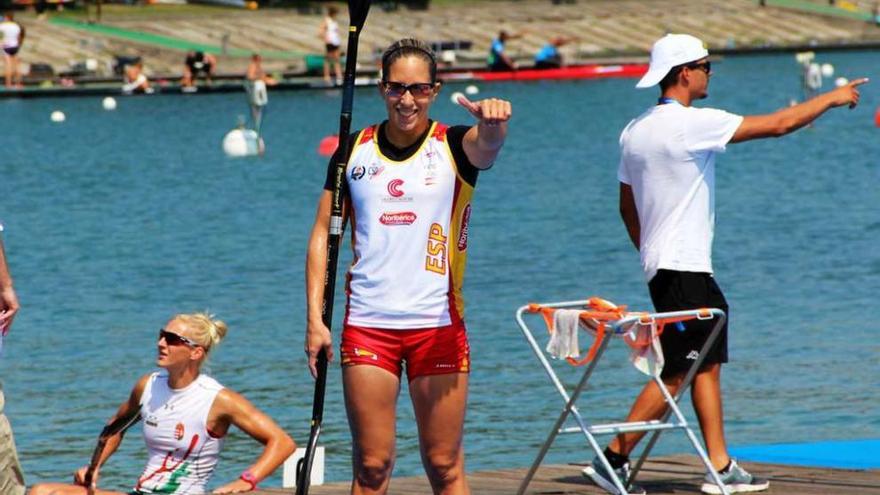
<point>175,339</point>
<point>704,66</point>
<point>397,90</point>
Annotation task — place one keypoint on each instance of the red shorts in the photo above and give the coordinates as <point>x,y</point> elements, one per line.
<point>426,351</point>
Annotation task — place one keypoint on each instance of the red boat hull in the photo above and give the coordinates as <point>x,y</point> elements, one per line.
<point>590,71</point>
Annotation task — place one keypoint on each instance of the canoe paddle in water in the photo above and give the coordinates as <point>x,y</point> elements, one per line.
<point>118,425</point>
<point>357,13</point>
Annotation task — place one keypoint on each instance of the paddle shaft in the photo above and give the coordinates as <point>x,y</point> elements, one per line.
<point>357,10</point>
<point>118,425</point>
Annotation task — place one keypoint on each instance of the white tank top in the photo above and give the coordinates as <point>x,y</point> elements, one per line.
<point>331,35</point>
<point>11,32</point>
<point>182,454</point>
<point>409,235</point>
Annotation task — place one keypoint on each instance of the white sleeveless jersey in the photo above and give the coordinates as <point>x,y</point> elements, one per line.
<point>409,235</point>
<point>182,454</point>
<point>331,36</point>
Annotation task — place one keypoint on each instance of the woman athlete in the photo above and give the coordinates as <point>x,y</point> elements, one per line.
<point>408,188</point>
<point>186,415</point>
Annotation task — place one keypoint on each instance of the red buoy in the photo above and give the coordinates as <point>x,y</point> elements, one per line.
<point>877,117</point>
<point>328,145</point>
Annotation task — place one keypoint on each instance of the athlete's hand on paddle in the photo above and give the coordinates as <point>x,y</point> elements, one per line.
<point>79,478</point>
<point>318,337</point>
<point>490,112</point>
<point>848,94</point>
<point>237,486</point>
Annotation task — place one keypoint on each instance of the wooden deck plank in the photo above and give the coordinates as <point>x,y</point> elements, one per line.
<point>671,475</point>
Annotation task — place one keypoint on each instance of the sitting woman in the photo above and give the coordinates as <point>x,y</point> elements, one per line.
<point>186,416</point>
<point>135,79</point>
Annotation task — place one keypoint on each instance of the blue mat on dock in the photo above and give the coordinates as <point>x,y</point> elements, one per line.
<point>851,454</point>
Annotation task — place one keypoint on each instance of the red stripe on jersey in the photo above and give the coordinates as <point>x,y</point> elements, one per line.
<point>368,134</point>
<point>453,308</point>
<point>440,132</point>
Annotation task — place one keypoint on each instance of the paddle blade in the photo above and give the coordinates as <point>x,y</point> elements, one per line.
<point>357,12</point>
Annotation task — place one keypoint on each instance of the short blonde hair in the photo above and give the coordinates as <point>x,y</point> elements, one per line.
<point>207,331</point>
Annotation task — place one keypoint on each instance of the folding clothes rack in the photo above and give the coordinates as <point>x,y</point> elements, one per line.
<point>618,323</point>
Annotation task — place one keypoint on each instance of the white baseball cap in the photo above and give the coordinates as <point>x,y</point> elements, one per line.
<point>669,51</point>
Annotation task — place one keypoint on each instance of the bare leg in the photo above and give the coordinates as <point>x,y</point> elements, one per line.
<point>706,397</point>
<point>371,402</point>
<point>16,73</point>
<point>8,70</point>
<point>64,489</point>
<point>439,402</point>
<point>648,405</point>
<point>327,68</point>
<point>338,67</point>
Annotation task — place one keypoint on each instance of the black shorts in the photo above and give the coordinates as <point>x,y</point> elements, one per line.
<point>11,50</point>
<point>331,48</point>
<point>676,291</point>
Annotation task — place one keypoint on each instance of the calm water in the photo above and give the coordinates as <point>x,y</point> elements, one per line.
<point>116,220</point>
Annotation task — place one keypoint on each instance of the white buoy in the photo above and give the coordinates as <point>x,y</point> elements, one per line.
<point>471,89</point>
<point>57,116</point>
<point>841,81</point>
<point>243,142</point>
<point>109,103</point>
<point>827,70</point>
<point>454,97</point>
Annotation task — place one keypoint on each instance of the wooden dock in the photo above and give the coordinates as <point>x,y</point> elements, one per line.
<point>661,476</point>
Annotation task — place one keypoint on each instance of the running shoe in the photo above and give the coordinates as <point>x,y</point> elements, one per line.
<point>602,478</point>
<point>736,479</point>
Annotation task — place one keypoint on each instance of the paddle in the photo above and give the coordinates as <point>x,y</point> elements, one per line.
<point>357,13</point>
<point>118,425</point>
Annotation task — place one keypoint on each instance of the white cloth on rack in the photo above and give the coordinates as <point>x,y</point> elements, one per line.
<point>564,334</point>
<point>563,343</point>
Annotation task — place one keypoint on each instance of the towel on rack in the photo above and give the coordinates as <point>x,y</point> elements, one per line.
<point>564,334</point>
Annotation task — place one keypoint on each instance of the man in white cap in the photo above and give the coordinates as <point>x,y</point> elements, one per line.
<point>667,201</point>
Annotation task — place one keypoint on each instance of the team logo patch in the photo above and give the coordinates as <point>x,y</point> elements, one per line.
<point>365,353</point>
<point>463,230</point>
<point>398,218</point>
<point>358,172</point>
<point>375,171</point>
<point>394,188</point>
<point>179,431</point>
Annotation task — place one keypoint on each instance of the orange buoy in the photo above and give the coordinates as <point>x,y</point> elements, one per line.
<point>328,145</point>
<point>877,117</point>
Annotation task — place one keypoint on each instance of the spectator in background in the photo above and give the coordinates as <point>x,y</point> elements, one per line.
<point>11,476</point>
<point>255,71</point>
<point>197,63</point>
<point>548,57</point>
<point>329,33</point>
<point>498,60</point>
<point>135,79</point>
<point>13,37</point>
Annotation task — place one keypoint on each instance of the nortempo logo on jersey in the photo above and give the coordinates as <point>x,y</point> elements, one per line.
<point>398,218</point>
<point>463,231</point>
<point>394,188</point>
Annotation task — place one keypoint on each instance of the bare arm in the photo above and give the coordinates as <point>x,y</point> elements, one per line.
<point>126,408</point>
<point>232,408</point>
<point>483,141</point>
<point>629,214</point>
<point>790,119</point>
<point>317,334</point>
<point>8,300</point>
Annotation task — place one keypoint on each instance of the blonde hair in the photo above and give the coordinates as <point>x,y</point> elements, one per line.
<point>207,331</point>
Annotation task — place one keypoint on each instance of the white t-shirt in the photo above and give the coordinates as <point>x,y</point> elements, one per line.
<point>667,156</point>
<point>11,31</point>
<point>331,35</point>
